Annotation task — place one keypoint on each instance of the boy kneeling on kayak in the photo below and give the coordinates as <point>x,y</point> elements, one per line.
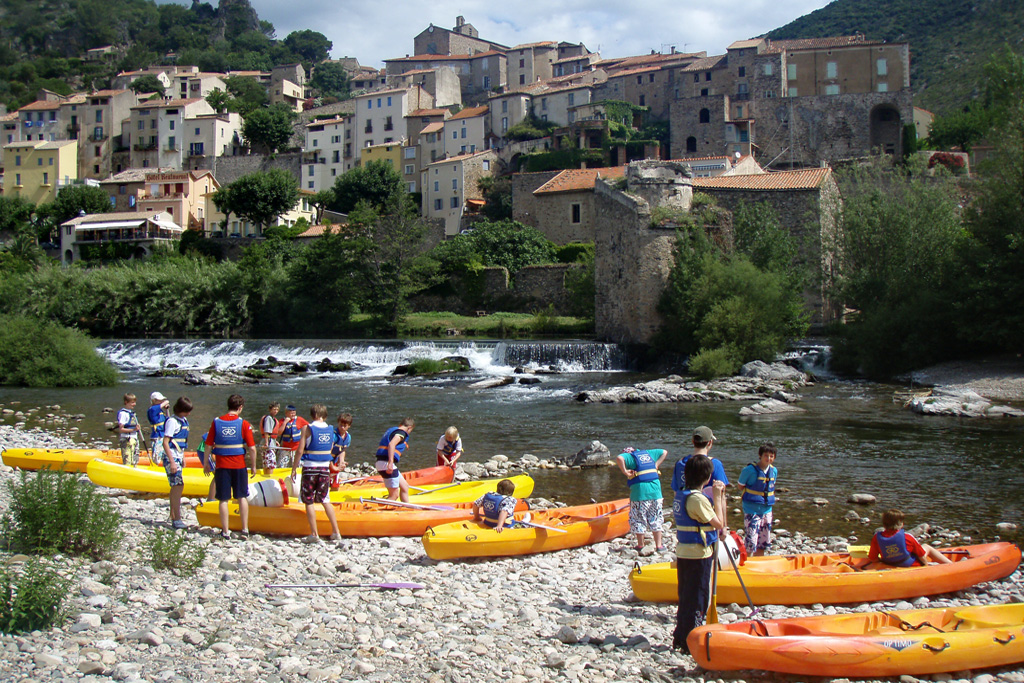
<point>497,507</point>
<point>896,547</point>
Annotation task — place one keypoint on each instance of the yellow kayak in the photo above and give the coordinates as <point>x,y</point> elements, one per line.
<point>153,479</point>
<point>70,459</point>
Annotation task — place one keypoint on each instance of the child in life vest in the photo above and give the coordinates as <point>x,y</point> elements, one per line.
<point>129,432</point>
<point>449,448</point>
<point>157,414</point>
<point>757,484</point>
<point>173,444</point>
<point>497,508</point>
<point>896,547</point>
<point>342,440</point>
<point>645,499</point>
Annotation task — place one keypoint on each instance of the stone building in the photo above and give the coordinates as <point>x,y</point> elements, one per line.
<point>560,204</point>
<point>463,39</point>
<point>449,184</point>
<point>441,82</point>
<point>634,256</point>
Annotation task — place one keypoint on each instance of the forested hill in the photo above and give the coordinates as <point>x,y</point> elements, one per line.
<point>42,42</point>
<point>950,40</point>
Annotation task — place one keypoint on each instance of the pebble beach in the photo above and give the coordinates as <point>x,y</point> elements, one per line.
<point>565,616</point>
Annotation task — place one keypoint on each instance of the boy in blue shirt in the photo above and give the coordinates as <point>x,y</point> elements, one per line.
<point>757,484</point>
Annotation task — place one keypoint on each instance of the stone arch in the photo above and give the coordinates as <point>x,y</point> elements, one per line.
<point>705,115</point>
<point>691,144</point>
<point>887,129</point>
<point>69,256</point>
<point>139,253</point>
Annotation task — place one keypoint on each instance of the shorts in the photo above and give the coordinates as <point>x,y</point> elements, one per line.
<point>315,486</point>
<point>391,481</point>
<point>646,516</point>
<point>270,455</point>
<point>228,482</point>
<point>757,532</point>
<point>130,451</point>
<point>176,479</point>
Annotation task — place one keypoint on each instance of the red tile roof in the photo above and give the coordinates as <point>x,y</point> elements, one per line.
<point>543,43</point>
<point>428,112</point>
<point>805,179</point>
<point>444,58</point>
<point>579,179</point>
<point>820,43</point>
<point>470,112</point>
<point>318,230</point>
<point>41,105</point>
<point>161,104</point>
<point>705,63</point>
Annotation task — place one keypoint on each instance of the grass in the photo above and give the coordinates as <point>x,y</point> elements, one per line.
<point>32,597</point>
<point>169,550</point>
<point>51,512</point>
<point>494,325</point>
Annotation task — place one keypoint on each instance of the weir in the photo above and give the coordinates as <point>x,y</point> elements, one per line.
<point>367,357</point>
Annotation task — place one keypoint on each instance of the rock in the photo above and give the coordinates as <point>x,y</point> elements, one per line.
<point>87,622</point>
<point>1006,527</point>
<point>819,501</point>
<point>567,635</point>
<point>769,406</point>
<point>145,636</point>
<point>530,380</point>
<point>492,382</point>
<point>45,661</point>
<point>126,670</point>
<point>593,455</point>
<point>852,515</point>
<point>861,499</point>
<point>554,660</point>
<point>776,372</point>
<point>363,667</point>
<point>89,667</point>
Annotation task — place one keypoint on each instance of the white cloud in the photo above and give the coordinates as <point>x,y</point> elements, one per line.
<point>374,31</point>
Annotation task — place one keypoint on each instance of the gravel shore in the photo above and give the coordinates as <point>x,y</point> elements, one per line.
<point>999,378</point>
<point>566,616</point>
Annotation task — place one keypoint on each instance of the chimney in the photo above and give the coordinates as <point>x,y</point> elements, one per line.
<point>673,49</point>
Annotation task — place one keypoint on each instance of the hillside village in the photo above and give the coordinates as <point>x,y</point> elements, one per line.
<point>763,122</point>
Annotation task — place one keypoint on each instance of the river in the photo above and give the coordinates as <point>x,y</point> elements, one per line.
<point>958,473</point>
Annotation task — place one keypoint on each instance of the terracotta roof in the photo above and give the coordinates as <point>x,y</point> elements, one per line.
<point>576,58</point>
<point>428,112</point>
<point>435,127</point>
<point>805,179</point>
<point>163,104</point>
<point>470,112</point>
<point>134,175</point>
<point>705,63</point>
<point>41,105</point>
<point>13,116</point>
<point>542,43</point>
<point>328,122</point>
<point>106,93</point>
<point>377,93</point>
<point>579,179</point>
<point>632,72</point>
<point>740,44</point>
<point>819,43</point>
<point>461,157</point>
<point>118,216</point>
<point>416,71</point>
<point>318,230</point>
<point>77,98</point>
<point>444,58</point>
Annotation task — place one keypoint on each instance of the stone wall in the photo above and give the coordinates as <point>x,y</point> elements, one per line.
<point>229,169</point>
<point>534,288</point>
<point>525,206</point>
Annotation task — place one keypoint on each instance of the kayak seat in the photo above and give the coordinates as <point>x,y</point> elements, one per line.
<point>884,631</point>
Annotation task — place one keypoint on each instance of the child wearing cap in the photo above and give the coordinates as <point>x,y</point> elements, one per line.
<point>703,439</point>
<point>157,415</point>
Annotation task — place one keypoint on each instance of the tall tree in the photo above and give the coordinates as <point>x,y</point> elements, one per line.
<point>330,79</point>
<point>377,183</point>
<point>148,83</point>
<point>269,129</point>
<point>312,46</point>
<point>259,197</point>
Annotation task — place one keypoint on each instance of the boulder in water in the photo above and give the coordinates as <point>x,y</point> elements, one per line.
<point>529,380</point>
<point>492,382</point>
<point>769,406</point>
<point>594,454</point>
<point>861,499</point>
<point>327,365</point>
<point>776,372</point>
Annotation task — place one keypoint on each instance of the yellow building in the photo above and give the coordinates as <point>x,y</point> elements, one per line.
<point>36,170</point>
<point>389,152</point>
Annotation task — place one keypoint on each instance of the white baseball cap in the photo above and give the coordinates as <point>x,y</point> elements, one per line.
<point>157,396</point>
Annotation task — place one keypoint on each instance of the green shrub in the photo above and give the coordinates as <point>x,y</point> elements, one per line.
<point>44,354</point>
<point>721,361</point>
<point>168,550</point>
<point>574,252</point>
<point>544,321</point>
<point>51,512</point>
<point>666,216</point>
<point>32,598</point>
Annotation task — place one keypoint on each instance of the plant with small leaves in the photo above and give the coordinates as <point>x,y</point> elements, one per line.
<point>175,552</point>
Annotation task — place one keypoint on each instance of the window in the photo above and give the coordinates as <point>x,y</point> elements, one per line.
<point>707,76</point>
<point>410,152</point>
<point>369,104</point>
<point>639,80</point>
<point>504,106</point>
<point>438,204</point>
<point>696,78</point>
<point>39,161</point>
<point>742,72</point>
<point>437,185</point>
<point>487,82</point>
<point>410,169</point>
<point>198,131</point>
<point>455,183</point>
<point>575,214</point>
<point>389,100</point>
<point>49,161</point>
<point>46,178</point>
<point>455,135</point>
<point>17,161</point>
<point>650,79</point>
<point>487,164</point>
<point>462,150</point>
<point>99,116</point>
<point>463,134</point>
<point>705,116</point>
<point>17,179</point>
<point>831,70</point>
<point>792,91</point>
<point>703,92</point>
<point>768,69</point>
<point>522,79</point>
<point>544,103</point>
<point>122,189</point>
<point>643,100</point>
<point>769,93</point>
<point>378,102</point>
<point>791,72</point>
<point>455,202</point>
<point>113,203</point>
<point>335,139</point>
<point>572,99</point>
<point>310,184</point>
<point>883,87</point>
<point>882,67</point>
<point>504,124</point>
<point>152,124</point>
<point>142,125</point>
<point>412,186</point>
<point>310,170</point>
<point>832,89</point>
<point>170,143</point>
<point>522,63</point>
<point>691,144</point>
<point>172,124</point>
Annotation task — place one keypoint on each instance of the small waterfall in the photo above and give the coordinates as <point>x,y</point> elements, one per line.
<point>368,358</point>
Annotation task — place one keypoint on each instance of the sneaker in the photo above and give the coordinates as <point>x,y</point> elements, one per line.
<point>312,538</point>
<point>178,524</point>
<point>335,537</point>
<point>244,534</point>
<point>225,535</point>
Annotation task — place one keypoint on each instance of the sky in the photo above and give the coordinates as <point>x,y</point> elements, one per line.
<point>377,30</point>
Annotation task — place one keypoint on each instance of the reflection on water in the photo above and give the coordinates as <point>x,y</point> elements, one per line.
<point>966,474</point>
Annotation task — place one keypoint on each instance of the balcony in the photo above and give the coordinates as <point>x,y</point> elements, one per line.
<point>741,97</point>
<point>387,126</point>
<point>97,138</point>
<point>144,146</point>
<point>368,129</point>
<point>171,148</point>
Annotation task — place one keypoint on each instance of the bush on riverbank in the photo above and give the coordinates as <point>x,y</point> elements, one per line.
<point>31,597</point>
<point>175,552</point>
<point>44,354</point>
<point>51,512</point>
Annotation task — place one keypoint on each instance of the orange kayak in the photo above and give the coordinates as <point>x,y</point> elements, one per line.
<point>832,578</point>
<point>354,519</point>
<point>582,525</point>
<point>867,644</point>
<point>74,459</point>
<point>427,475</point>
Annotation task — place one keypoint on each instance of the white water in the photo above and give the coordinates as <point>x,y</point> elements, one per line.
<point>368,359</point>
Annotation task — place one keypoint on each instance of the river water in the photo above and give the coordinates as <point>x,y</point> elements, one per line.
<point>964,474</point>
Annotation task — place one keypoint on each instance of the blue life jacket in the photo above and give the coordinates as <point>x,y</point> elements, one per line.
<point>893,550</point>
<point>645,468</point>
<point>492,508</point>
<point>291,434</point>
<point>341,442</point>
<point>179,440</point>
<point>319,444</point>
<point>382,448</point>
<point>449,446</point>
<point>131,423</point>
<point>227,437</point>
<point>762,490</point>
<point>688,530</point>
<point>156,417</point>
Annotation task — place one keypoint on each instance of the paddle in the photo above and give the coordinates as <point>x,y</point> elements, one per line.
<point>421,490</point>
<point>541,526</point>
<point>400,504</point>
<point>610,512</point>
<point>732,560</point>
<point>712,614</point>
<point>387,586</point>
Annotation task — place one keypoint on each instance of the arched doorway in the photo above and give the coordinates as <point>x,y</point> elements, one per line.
<point>69,256</point>
<point>691,144</point>
<point>887,129</point>
<point>705,116</point>
<point>139,253</point>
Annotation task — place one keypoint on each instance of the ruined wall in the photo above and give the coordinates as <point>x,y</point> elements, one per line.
<point>229,169</point>
<point>534,288</point>
<point>525,207</point>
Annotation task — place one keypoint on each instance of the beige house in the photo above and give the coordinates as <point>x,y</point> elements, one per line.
<point>157,131</point>
<point>447,186</point>
<point>208,136</point>
<point>37,170</point>
<point>441,82</point>
<point>144,232</point>
<point>125,187</point>
<point>531,62</point>
<point>478,73</point>
<point>508,109</point>
<point>467,131</point>
<point>102,118</point>
<point>380,116</point>
<point>327,152</point>
<point>182,195</point>
<point>422,124</point>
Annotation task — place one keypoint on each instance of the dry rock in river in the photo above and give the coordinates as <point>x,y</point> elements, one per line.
<point>769,406</point>
<point>675,389</point>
